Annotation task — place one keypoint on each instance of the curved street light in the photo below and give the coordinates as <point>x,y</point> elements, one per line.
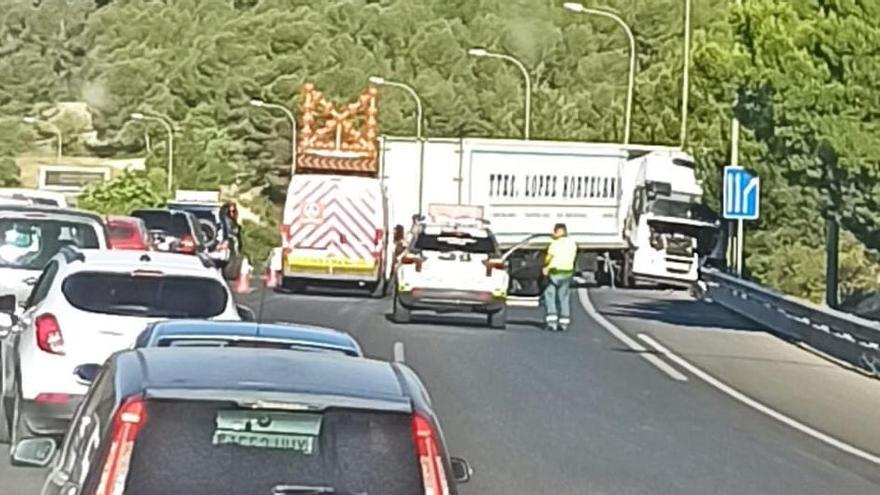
<point>381,81</point>
<point>58,137</point>
<point>274,106</point>
<point>579,8</point>
<point>170,130</point>
<point>483,53</point>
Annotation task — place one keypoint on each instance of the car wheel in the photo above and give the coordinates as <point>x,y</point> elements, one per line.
<point>498,319</point>
<point>401,313</point>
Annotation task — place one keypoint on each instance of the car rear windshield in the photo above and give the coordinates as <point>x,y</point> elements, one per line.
<point>455,241</point>
<point>30,243</point>
<point>207,448</point>
<point>184,341</point>
<point>174,224</point>
<point>145,295</point>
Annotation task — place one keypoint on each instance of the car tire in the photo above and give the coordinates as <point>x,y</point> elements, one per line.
<point>401,313</point>
<point>498,319</point>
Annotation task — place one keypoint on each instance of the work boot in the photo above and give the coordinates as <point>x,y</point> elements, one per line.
<point>552,323</point>
<point>563,324</point>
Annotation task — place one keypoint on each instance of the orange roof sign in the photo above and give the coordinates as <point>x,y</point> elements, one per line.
<point>338,139</point>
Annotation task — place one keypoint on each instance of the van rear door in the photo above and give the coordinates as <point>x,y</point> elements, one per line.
<point>335,226</point>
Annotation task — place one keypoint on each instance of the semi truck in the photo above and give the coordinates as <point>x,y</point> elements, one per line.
<point>634,211</point>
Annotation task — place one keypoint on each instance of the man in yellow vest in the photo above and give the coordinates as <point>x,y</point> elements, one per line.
<point>559,269</point>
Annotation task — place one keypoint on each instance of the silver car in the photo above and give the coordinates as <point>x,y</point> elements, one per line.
<point>31,235</point>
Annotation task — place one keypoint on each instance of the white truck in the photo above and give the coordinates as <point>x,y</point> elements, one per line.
<point>634,211</point>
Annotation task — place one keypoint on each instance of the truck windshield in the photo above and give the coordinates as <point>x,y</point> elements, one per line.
<point>682,209</point>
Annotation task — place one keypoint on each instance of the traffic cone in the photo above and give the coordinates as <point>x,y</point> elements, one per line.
<point>243,282</point>
<point>271,278</point>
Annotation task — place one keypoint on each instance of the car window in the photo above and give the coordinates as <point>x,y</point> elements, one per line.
<point>30,243</point>
<point>44,283</point>
<point>147,295</point>
<point>175,224</point>
<point>199,449</point>
<point>454,241</point>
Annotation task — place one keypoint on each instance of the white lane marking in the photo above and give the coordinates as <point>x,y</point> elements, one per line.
<point>660,364</point>
<point>745,399</point>
<point>399,353</point>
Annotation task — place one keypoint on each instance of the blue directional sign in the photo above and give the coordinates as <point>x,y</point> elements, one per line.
<point>742,194</point>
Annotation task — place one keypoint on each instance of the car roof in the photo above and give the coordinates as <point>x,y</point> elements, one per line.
<point>184,372</point>
<point>34,211</point>
<point>293,332</point>
<point>128,260</point>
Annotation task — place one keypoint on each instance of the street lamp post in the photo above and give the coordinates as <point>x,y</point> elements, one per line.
<point>577,7</point>
<point>483,53</point>
<point>380,81</point>
<point>685,82</point>
<point>262,104</point>
<point>58,138</point>
<point>170,130</point>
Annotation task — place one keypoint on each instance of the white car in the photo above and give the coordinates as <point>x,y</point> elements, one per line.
<point>452,267</point>
<point>86,305</point>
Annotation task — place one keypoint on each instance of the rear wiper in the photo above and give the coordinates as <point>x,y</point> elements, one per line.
<point>309,490</point>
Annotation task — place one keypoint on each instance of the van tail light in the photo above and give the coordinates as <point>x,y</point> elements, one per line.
<point>409,259</point>
<point>430,457</point>
<point>48,333</point>
<point>127,423</point>
<point>187,245</point>
<point>494,265</point>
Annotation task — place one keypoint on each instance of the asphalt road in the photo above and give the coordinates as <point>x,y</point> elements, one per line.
<point>575,413</point>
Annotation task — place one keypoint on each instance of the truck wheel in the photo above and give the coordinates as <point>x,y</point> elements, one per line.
<point>498,319</point>
<point>401,314</point>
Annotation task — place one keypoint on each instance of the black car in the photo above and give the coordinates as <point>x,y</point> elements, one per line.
<point>174,231</point>
<point>219,223</point>
<point>208,421</point>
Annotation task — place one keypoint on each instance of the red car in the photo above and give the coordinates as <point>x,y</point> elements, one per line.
<point>128,233</point>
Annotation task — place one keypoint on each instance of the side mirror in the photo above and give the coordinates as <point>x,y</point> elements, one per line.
<point>461,470</point>
<point>7,304</point>
<point>246,313</point>
<point>86,373</point>
<point>34,452</point>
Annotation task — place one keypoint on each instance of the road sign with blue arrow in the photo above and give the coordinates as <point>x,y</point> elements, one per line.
<point>741,195</point>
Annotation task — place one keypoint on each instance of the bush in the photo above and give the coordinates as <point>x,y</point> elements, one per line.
<point>122,194</point>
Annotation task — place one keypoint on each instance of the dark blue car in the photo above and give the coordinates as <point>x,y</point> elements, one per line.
<point>202,333</point>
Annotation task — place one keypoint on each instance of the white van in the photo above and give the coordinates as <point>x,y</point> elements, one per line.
<point>35,196</point>
<point>334,230</point>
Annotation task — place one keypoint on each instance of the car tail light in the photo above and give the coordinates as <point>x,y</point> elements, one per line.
<point>187,245</point>
<point>409,259</point>
<point>430,457</point>
<point>52,398</point>
<point>494,265</point>
<point>127,423</point>
<point>48,332</point>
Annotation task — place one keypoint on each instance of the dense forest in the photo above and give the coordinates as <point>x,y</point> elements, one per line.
<point>800,76</point>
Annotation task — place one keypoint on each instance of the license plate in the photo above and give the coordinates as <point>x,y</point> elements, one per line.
<point>297,443</point>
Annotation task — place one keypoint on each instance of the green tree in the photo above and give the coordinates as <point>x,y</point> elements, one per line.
<point>122,194</point>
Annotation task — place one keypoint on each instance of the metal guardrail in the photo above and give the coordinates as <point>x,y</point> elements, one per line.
<point>842,336</point>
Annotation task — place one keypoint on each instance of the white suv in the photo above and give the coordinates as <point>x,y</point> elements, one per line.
<point>86,305</point>
<point>451,267</point>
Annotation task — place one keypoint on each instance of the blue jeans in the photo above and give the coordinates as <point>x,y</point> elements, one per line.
<point>557,300</point>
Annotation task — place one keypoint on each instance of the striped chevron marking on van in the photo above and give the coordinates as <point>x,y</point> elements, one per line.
<point>342,219</point>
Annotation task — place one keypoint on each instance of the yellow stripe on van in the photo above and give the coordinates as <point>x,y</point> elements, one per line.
<point>305,262</point>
